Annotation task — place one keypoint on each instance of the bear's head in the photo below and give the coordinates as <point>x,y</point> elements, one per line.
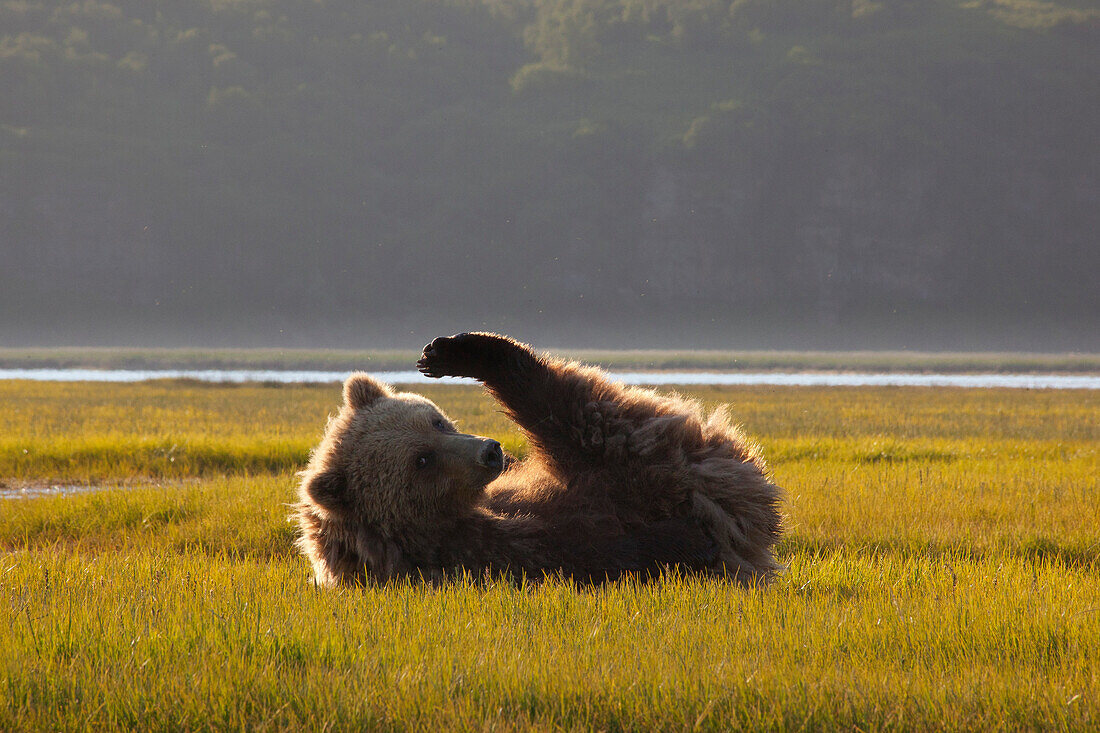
<point>393,462</point>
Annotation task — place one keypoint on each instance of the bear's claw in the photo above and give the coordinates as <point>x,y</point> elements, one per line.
<point>436,360</point>
<point>424,365</point>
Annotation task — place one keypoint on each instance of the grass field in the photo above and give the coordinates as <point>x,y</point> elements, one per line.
<point>944,573</point>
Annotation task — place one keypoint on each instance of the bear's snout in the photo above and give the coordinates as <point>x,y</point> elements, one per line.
<point>491,456</point>
<point>471,459</point>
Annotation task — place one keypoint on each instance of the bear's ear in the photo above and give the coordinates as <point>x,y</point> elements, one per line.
<point>327,489</point>
<point>360,390</point>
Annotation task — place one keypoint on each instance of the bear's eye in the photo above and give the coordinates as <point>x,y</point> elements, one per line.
<point>424,460</point>
<point>441,425</point>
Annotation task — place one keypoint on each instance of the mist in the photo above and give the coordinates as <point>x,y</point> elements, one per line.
<point>613,174</point>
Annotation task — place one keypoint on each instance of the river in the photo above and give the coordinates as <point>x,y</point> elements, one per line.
<point>796,379</point>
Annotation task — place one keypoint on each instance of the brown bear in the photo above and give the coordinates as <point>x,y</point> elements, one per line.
<point>619,480</point>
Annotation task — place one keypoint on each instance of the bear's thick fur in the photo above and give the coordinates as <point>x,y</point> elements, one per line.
<point>619,480</point>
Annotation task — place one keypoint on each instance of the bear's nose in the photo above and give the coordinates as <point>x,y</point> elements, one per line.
<point>491,456</point>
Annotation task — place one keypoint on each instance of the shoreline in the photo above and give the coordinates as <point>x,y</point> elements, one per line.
<point>652,361</point>
<point>653,378</point>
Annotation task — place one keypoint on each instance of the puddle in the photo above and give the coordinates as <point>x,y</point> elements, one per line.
<point>34,490</point>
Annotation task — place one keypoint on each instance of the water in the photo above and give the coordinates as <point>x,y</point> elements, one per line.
<point>29,492</point>
<point>801,379</point>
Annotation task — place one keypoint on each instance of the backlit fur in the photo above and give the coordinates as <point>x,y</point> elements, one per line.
<point>619,479</point>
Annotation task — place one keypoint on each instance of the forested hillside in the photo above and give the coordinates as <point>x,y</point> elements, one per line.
<point>207,169</point>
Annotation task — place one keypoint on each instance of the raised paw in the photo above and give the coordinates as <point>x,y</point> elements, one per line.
<point>445,357</point>
<point>482,356</point>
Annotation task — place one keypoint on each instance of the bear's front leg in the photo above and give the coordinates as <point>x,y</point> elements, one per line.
<point>544,399</point>
<point>566,410</point>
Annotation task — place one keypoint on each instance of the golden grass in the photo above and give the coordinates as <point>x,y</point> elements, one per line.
<point>94,432</point>
<point>846,639</point>
<point>944,569</point>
